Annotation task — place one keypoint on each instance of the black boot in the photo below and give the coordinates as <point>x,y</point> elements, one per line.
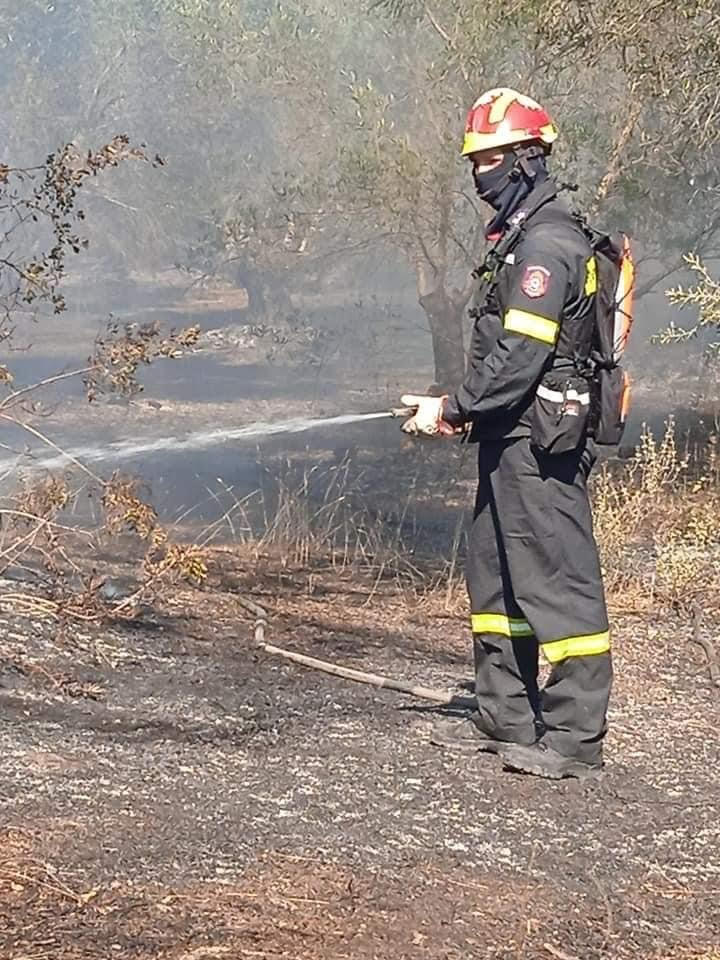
<point>542,761</point>
<point>465,736</point>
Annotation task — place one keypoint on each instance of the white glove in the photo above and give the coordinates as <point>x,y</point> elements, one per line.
<point>428,417</point>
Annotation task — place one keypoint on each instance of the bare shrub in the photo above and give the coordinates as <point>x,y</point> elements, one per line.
<point>630,502</point>
<point>657,524</point>
<point>62,550</point>
<point>40,227</point>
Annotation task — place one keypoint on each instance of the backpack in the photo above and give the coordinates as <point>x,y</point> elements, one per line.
<point>614,285</point>
<point>610,384</point>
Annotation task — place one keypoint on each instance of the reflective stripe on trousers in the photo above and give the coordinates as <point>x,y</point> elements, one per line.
<point>533,574</point>
<point>554,651</point>
<point>589,645</point>
<point>501,624</point>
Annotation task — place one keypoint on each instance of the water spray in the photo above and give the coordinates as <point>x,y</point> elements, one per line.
<point>202,439</point>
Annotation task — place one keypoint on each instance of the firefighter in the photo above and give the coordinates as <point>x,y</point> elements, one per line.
<point>533,573</point>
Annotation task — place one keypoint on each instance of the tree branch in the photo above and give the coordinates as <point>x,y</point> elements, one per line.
<point>616,158</point>
<point>16,396</point>
<point>50,443</point>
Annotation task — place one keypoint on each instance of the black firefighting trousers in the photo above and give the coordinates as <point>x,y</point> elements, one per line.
<point>534,581</point>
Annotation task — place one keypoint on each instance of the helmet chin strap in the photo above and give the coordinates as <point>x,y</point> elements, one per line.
<point>527,152</point>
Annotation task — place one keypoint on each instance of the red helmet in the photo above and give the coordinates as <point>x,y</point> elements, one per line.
<point>502,117</point>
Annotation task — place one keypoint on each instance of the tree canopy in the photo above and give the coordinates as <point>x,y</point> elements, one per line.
<point>303,135</point>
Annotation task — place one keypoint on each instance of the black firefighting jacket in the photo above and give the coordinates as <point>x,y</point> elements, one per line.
<point>533,318</point>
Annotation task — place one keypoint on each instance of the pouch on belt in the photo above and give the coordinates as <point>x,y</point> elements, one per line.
<point>560,415</point>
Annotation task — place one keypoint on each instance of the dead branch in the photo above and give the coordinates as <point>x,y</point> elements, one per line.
<point>374,679</point>
<point>129,602</point>
<point>17,395</point>
<point>616,159</point>
<point>451,45</point>
<point>609,919</point>
<point>17,545</point>
<point>16,872</point>
<point>50,443</point>
<point>185,560</point>
<point>347,673</point>
<point>524,909</point>
<point>23,878</point>
<point>707,645</point>
<point>44,607</point>
<point>5,512</point>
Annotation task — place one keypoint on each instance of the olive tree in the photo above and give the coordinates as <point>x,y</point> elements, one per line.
<point>362,118</point>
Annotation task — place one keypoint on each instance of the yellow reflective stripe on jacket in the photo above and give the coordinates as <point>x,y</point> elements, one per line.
<point>587,646</point>
<point>591,277</point>
<point>532,325</point>
<point>499,623</point>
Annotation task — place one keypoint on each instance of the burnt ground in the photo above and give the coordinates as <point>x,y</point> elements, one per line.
<point>169,792</point>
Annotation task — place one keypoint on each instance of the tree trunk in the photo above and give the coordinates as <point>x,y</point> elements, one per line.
<point>446,314</point>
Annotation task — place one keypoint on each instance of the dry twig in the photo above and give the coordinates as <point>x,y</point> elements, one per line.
<point>609,920</point>
<point>707,645</point>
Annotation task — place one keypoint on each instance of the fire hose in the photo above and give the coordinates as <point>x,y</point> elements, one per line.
<point>443,697</point>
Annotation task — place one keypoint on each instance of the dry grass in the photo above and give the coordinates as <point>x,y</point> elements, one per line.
<point>323,514</point>
<point>657,524</point>
<point>60,549</point>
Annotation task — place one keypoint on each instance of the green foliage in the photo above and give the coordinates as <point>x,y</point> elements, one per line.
<point>704,299</point>
<point>40,222</point>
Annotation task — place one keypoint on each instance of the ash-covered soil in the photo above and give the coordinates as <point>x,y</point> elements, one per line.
<point>168,791</point>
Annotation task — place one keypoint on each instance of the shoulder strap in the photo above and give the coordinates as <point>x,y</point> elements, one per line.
<point>497,253</point>
<point>516,227</point>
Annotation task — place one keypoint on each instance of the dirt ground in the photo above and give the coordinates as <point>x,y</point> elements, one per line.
<point>168,791</point>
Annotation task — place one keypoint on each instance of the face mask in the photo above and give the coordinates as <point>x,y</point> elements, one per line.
<point>492,185</point>
<point>508,185</point>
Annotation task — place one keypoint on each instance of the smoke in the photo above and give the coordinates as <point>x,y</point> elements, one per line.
<point>310,197</point>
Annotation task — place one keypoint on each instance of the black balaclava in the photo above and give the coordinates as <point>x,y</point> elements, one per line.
<point>508,185</point>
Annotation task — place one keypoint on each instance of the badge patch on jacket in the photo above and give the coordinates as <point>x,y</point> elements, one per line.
<point>535,282</point>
